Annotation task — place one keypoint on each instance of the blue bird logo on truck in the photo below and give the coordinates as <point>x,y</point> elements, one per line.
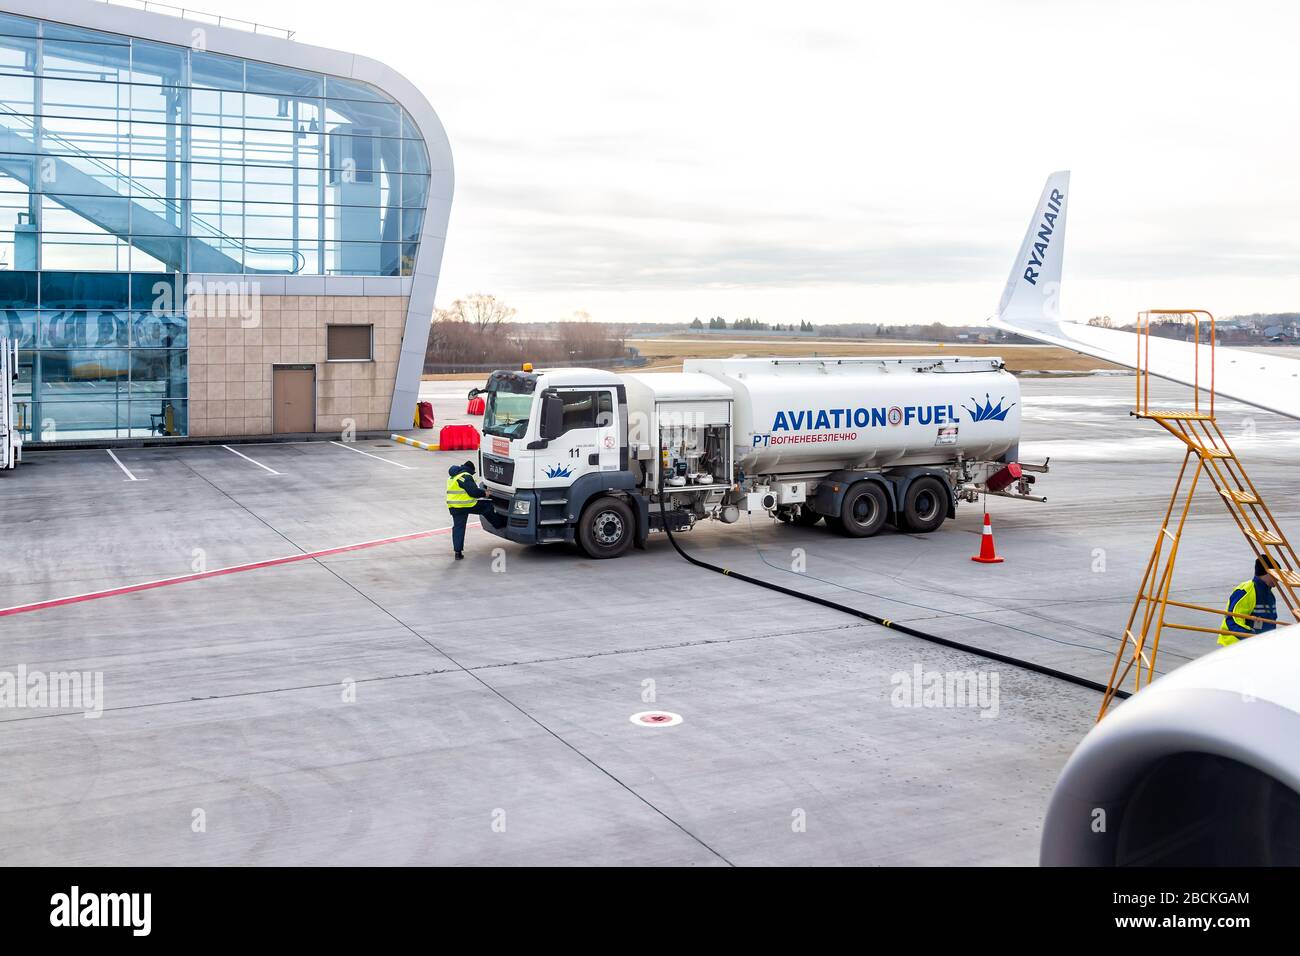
<point>988,412</point>
<point>558,471</point>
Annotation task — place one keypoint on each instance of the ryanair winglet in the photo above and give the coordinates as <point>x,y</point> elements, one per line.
<point>1034,288</point>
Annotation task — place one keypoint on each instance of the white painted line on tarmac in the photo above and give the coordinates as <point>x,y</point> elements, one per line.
<point>375,457</point>
<point>129,476</point>
<point>246,458</point>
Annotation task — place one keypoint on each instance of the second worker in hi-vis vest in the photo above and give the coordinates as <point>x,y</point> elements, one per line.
<point>1252,607</point>
<point>464,498</point>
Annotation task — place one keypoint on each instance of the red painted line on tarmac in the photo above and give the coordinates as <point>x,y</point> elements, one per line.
<point>219,572</point>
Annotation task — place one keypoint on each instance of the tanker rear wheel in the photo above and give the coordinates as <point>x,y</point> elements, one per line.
<point>925,505</point>
<point>865,508</point>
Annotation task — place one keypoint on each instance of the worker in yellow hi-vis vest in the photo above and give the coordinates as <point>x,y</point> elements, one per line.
<point>1250,600</point>
<point>466,497</point>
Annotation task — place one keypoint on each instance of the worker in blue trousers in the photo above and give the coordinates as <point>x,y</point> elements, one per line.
<point>1251,600</point>
<point>466,497</point>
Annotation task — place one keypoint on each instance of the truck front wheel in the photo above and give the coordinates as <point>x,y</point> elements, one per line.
<point>925,505</point>
<point>606,528</point>
<point>864,510</point>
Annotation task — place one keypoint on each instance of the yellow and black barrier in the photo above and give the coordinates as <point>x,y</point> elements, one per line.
<point>427,446</point>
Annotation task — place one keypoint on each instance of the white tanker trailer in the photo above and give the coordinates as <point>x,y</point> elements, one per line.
<point>603,459</point>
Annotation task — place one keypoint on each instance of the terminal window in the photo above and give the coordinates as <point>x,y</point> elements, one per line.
<point>349,343</point>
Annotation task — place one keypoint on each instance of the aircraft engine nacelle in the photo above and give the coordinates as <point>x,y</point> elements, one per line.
<point>1202,768</point>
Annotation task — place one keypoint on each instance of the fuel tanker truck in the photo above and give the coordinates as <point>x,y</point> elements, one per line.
<point>604,459</point>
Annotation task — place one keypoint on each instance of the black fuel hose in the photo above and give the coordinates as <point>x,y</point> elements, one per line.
<point>875,619</point>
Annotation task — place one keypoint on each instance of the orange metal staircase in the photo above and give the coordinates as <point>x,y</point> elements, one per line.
<point>1209,456</point>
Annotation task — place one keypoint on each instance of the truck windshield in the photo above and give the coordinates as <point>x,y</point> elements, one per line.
<point>507,413</point>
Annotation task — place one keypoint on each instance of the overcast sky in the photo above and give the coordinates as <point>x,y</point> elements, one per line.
<point>847,161</point>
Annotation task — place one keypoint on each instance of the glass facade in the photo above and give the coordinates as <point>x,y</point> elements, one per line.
<point>127,164</point>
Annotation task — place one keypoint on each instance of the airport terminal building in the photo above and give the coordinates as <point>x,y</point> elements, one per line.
<point>209,230</point>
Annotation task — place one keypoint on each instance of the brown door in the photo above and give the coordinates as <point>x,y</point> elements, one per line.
<point>294,395</point>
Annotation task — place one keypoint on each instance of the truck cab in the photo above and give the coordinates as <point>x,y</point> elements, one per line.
<point>554,442</point>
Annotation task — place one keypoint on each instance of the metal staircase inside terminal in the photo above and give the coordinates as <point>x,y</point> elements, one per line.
<point>85,193</point>
<point>1210,456</point>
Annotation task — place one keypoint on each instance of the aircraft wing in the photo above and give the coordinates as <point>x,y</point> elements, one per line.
<point>1030,307</point>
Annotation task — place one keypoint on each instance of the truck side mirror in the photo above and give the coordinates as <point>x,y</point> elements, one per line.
<point>552,424</point>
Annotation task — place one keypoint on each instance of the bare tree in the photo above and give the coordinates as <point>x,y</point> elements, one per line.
<point>477,331</point>
<point>486,314</point>
<point>617,337</point>
<point>581,339</point>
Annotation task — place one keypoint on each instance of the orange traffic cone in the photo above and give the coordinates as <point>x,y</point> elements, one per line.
<point>988,553</point>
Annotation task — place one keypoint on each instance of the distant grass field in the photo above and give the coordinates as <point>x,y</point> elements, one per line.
<point>667,354</point>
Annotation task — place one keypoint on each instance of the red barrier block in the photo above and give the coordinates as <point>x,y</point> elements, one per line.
<point>458,438</point>
<point>477,406</point>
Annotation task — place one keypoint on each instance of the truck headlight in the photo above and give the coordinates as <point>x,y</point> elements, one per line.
<point>521,506</point>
